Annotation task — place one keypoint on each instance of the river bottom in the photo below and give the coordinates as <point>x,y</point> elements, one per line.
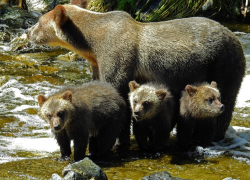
<point>133,167</point>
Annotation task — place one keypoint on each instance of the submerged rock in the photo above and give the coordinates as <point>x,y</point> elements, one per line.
<point>161,175</point>
<point>4,36</point>
<point>19,43</point>
<point>18,18</point>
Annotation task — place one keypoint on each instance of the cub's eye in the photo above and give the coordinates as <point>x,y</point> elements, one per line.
<point>210,100</point>
<point>49,116</point>
<point>60,114</point>
<point>146,103</point>
<point>135,102</point>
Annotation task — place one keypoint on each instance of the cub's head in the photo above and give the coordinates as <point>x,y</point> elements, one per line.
<point>145,101</point>
<point>201,101</point>
<point>56,110</point>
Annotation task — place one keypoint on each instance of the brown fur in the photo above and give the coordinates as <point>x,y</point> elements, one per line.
<point>80,3</point>
<point>94,110</point>
<point>199,107</point>
<point>152,109</point>
<point>174,53</point>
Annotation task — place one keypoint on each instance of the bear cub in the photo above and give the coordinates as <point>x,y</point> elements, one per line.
<point>93,112</point>
<point>199,107</point>
<point>152,109</point>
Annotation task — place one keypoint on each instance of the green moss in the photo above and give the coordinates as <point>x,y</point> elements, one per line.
<point>98,6</point>
<point>36,168</point>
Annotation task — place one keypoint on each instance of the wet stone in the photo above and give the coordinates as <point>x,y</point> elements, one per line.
<point>84,170</point>
<point>4,37</point>
<point>18,18</point>
<point>161,175</point>
<point>56,177</point>
<point>19,42</point>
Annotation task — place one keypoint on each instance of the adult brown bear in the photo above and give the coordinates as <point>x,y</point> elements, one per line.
<point>175,53</point>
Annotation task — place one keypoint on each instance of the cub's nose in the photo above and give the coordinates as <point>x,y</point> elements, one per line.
<point>57,127</point>
<point>136,113</point>
<point>222,107</point>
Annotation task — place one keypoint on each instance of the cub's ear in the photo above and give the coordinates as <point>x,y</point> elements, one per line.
<point>161,94</point>
<point>60,16</point>
<point>213,84</point>
<point>80,3</point>
<point>41,99</point>
<point>191,90</point>
<point>67,96</point>
<point>133,85</point>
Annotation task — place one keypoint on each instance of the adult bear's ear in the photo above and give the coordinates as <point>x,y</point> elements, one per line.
<point>67,96</point>
<point>191,90</point>
<point>161,94</point>
<point>80,3</point>
<point>60,16</point>
<point>133,85</point>
<point>41,99</point>
<point>213,84</point>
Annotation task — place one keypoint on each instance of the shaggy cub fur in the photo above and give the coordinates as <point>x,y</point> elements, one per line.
<point>152,109</point>
<point>94,112</point>
<point>199,107</point>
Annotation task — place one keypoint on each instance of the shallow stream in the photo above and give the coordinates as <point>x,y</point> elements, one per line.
<point>29,151</point>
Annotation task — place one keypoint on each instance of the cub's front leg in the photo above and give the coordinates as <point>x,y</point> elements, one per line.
<point>80,146</point>
<point>140,132</point>
<point>64,142</point>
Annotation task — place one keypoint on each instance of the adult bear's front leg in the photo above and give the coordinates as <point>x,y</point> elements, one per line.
<point>119,73</point>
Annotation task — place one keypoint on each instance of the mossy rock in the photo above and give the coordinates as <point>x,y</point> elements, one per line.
<point>4,36</point>
<point>3,80</point>
<point>84,170</point>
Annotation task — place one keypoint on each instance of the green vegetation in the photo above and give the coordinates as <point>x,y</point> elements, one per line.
<point>172,9</point>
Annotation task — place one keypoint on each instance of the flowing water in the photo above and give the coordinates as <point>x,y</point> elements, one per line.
<point>29,151</point>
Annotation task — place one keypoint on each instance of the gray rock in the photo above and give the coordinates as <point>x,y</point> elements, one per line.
<point>161,175</point>
<point>56,177</point>
<point>84,170</point>
<point>229,178</point>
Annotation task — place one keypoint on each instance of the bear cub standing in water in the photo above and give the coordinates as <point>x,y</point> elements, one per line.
<point>94,111</point>
<point>199,107</point>
<point>152,110</point>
